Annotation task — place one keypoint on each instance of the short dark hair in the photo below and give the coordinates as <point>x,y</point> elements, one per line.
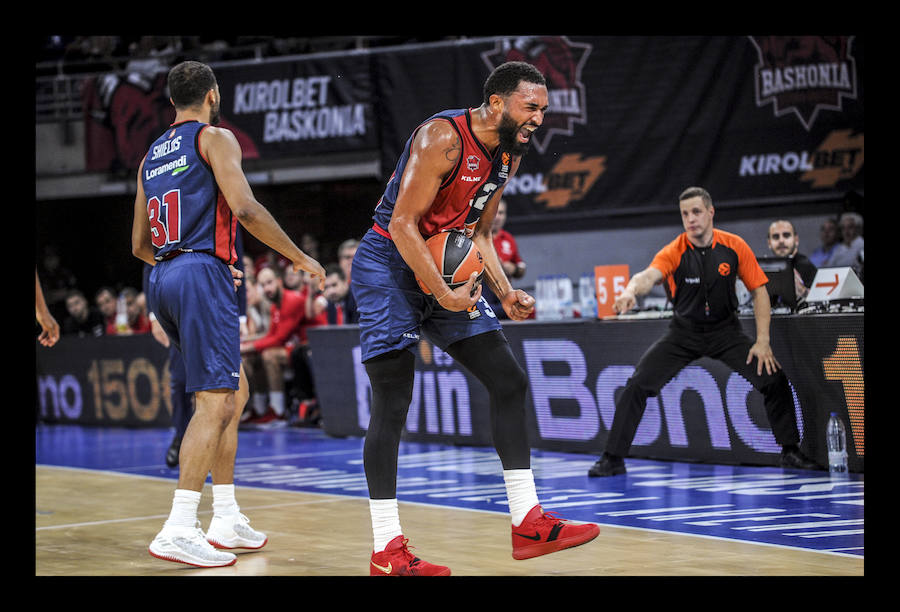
<point>189,82</point>
<point>696,192</point>
<point>769,231</point>
<point>103,290</point>
<point>334,268</point>
<point>506,77</point>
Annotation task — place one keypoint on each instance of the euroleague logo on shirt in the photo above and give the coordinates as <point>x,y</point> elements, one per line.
<point>724,269</point>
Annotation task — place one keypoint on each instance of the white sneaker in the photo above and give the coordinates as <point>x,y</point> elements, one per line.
<point>188,545</point>
<point>234,531</point>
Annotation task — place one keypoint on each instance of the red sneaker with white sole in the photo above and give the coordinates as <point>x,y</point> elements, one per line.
<point>542,533</point>
<point>396,560</point>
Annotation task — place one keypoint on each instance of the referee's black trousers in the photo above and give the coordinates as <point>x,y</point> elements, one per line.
<point>682,344</point>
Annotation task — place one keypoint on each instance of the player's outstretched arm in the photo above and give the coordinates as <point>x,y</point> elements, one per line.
<point>223,151</point>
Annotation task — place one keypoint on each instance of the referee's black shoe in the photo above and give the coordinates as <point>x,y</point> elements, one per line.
<point>791,457</point>
<point>607,465</point>
<point>172,453</point>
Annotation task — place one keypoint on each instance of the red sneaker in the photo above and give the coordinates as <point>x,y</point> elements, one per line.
<point>396,560</point>
<point>542,533</point>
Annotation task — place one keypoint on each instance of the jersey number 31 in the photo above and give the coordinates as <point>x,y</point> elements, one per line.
<point>165,228</point>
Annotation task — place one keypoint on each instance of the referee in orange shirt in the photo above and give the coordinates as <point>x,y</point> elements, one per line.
<point>699,269</point>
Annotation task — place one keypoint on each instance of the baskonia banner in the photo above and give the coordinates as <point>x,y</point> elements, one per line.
<point>300,108</point>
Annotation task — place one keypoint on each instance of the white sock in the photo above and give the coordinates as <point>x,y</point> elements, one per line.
<point>276,400</point>
<point>520,492</point>
<point>223,500</point>
<point>184,508</point>
<point>260,403</point>
<point>385,522</point>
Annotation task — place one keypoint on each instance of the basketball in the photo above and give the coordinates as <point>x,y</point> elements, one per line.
<point>456,257</point>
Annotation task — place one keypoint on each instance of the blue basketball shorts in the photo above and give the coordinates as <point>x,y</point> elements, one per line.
<point>193,298</point>
<point>393,311</point>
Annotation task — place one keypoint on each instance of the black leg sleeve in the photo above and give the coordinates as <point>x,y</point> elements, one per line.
<point>489,358</point>
<point>391,376</point>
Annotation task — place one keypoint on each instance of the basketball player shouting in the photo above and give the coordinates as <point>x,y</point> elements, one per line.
<point>450,176</point>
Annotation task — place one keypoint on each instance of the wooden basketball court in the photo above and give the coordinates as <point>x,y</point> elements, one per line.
<point>99,523</point>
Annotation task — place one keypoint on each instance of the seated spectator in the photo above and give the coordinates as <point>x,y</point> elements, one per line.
<point>309,244</point>
<point>346,252</point>
<point>784,241</point>
<point>293,280</point>
<point>249,268</point>
<point>82,320</point>
<point>56,281</point>
<point>508,253</point>
<point>267,357</point>
<point>258,309</point>
<point>136,314</point>
<point>105,298</point>
<point>304,405</point>
<point>852,243</point>
<point>339,309</point>
<point>830,239</point>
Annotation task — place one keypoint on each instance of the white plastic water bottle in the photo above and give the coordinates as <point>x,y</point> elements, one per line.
<point>121,314</point>
<point>836,437</point>
<point>587,297</point>
<point>565,291</point>
<point>545,292</point>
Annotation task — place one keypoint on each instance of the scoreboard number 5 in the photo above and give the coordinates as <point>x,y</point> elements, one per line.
<point>610,282</point>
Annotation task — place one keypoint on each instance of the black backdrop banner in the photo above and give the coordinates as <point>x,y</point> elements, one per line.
<point>575,369</point>
<point>635,120</point>
<point>107,381</point>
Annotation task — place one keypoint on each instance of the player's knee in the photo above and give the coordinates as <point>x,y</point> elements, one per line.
<point>511,382</point>
<point>218,406</point>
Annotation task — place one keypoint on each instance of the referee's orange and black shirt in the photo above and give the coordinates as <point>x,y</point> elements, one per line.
<point>700,282</point>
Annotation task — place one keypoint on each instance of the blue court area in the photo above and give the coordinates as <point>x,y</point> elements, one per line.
<point>790,508</point>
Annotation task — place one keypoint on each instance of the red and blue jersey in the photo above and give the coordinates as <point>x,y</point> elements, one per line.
<point>187,211</point>
<point>478,173</point>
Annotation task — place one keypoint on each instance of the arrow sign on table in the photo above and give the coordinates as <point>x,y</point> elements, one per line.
<point>832,285</point>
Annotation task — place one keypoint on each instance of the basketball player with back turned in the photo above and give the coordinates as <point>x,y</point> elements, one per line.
<point>191,193</point>
<point>450,176</point>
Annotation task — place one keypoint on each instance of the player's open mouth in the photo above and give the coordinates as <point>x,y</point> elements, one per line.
<point>525,132</point>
